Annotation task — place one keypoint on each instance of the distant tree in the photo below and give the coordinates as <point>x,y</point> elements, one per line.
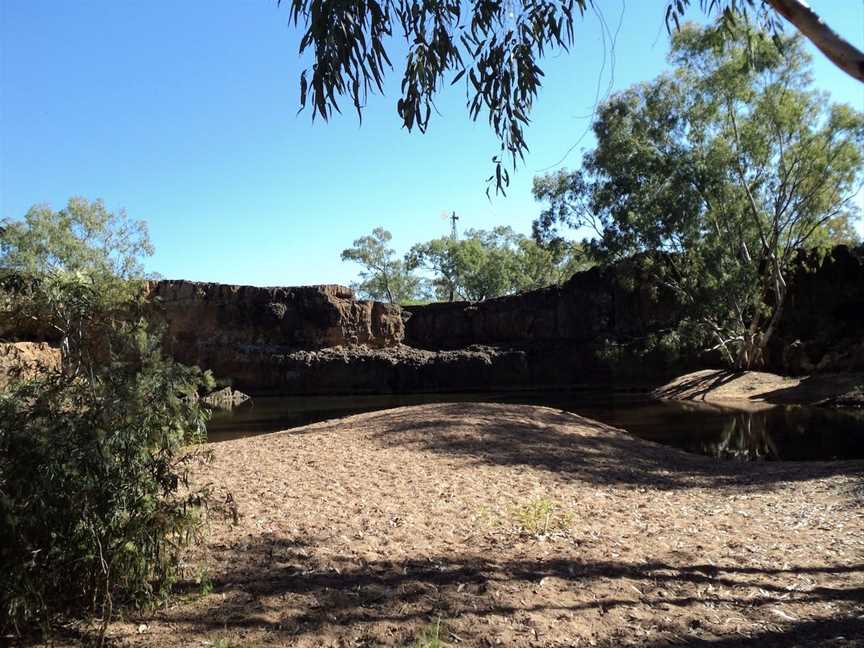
<point>542,265</point>
<point>94,504</point>
<point>492,263</point>
<point>384,275</point>
<point>717,173</point>
<point>494,47</point>
<point>444,258</point>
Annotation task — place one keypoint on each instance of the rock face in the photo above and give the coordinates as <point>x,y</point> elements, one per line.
<point>26,360</point>
<point>593,330</point>
<point>222,327</point>
<point>319,339</point>
<point>822,328</point>
<point>593,305</point>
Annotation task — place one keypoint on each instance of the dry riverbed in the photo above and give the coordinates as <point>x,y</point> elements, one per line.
<point>512,525</point>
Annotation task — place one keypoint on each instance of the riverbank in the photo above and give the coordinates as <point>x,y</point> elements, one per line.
<point>757,388</point>
<point>513,525</point>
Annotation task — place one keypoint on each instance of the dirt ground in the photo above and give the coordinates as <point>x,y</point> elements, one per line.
<point>757,387</point>
<point>512,525</point>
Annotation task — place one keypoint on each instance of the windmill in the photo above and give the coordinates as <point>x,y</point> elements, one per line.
<point>452,217</point>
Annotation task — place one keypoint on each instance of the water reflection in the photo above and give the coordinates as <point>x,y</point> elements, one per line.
<point>745,436</point>
<point>791,433</point>
<point>779,433</point>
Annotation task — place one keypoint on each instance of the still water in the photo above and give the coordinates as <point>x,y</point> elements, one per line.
<point>782,433</point>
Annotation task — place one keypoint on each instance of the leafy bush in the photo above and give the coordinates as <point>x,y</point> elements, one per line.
<point>94,497</point>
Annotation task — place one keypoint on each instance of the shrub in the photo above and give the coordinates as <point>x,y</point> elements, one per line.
<point>91,487</point>
<point>94,497</point>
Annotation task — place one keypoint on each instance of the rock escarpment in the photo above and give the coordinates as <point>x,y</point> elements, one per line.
<point>245,332</point>
<point>602,321</point>
<point>204,315</point>
<point>320,339</point>
<point>596,329</point>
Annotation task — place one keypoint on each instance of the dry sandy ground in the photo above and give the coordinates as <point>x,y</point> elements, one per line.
<point>514,526</point>
<point>757,387</point>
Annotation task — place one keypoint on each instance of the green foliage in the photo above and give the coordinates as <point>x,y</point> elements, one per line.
<point>430,637</point>
<point>482,265</point>
<point>717,174</point>
<point>493,48</point>
<point>94,497</point>
<point>384,276</point>
<point>493,263</point>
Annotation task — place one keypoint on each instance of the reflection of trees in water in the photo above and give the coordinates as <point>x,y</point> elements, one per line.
<point>746,436</point>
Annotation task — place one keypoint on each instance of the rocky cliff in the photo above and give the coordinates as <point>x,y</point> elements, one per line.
<point>594,330</point>
<point>596,305</point>
<point>246,333</point>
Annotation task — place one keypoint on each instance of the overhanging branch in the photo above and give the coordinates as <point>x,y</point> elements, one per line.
<point>838,50</point>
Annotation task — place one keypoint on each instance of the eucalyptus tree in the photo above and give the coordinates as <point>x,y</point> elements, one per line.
<point>718,174</point>
<point>494,47</point>
<point>384,274</point>
<point>493,263</point>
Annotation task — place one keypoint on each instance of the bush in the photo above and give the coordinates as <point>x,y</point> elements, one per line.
<point>95,504</point>
<point>93,497</point>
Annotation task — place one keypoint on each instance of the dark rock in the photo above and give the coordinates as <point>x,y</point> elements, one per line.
<point>595,329</point>
<point>207,324</point>
<point>852,399</point>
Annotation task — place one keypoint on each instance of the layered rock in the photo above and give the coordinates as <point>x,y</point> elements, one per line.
<point>221,327</point>
<point>822,327</point>
<point>598,304</point>
<point>594,329</point>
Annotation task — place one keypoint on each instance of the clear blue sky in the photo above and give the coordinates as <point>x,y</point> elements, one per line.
<point>184,113</point>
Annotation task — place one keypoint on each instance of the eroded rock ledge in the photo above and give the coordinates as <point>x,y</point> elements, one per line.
<point>594,330</point>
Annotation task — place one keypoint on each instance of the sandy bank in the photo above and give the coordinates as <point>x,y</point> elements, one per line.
<point>516,526</point>
<point>713,385</point>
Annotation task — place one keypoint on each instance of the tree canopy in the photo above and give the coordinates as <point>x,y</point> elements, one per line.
<point>384,275</point>
<point>481,265</point>
<point>718,174</point>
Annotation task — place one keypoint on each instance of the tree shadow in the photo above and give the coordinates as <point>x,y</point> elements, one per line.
<point>837,632</point>
<point>815,388</point>
<point>278,586</point>
<point>697,387</point>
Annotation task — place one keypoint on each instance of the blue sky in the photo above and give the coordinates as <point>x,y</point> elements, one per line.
<point>184,114</point>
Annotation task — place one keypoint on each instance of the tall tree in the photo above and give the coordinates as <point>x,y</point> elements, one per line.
<point>718,173</point>
<point>384,275</point>
<point>445,258</point>
<point>494,47</point>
